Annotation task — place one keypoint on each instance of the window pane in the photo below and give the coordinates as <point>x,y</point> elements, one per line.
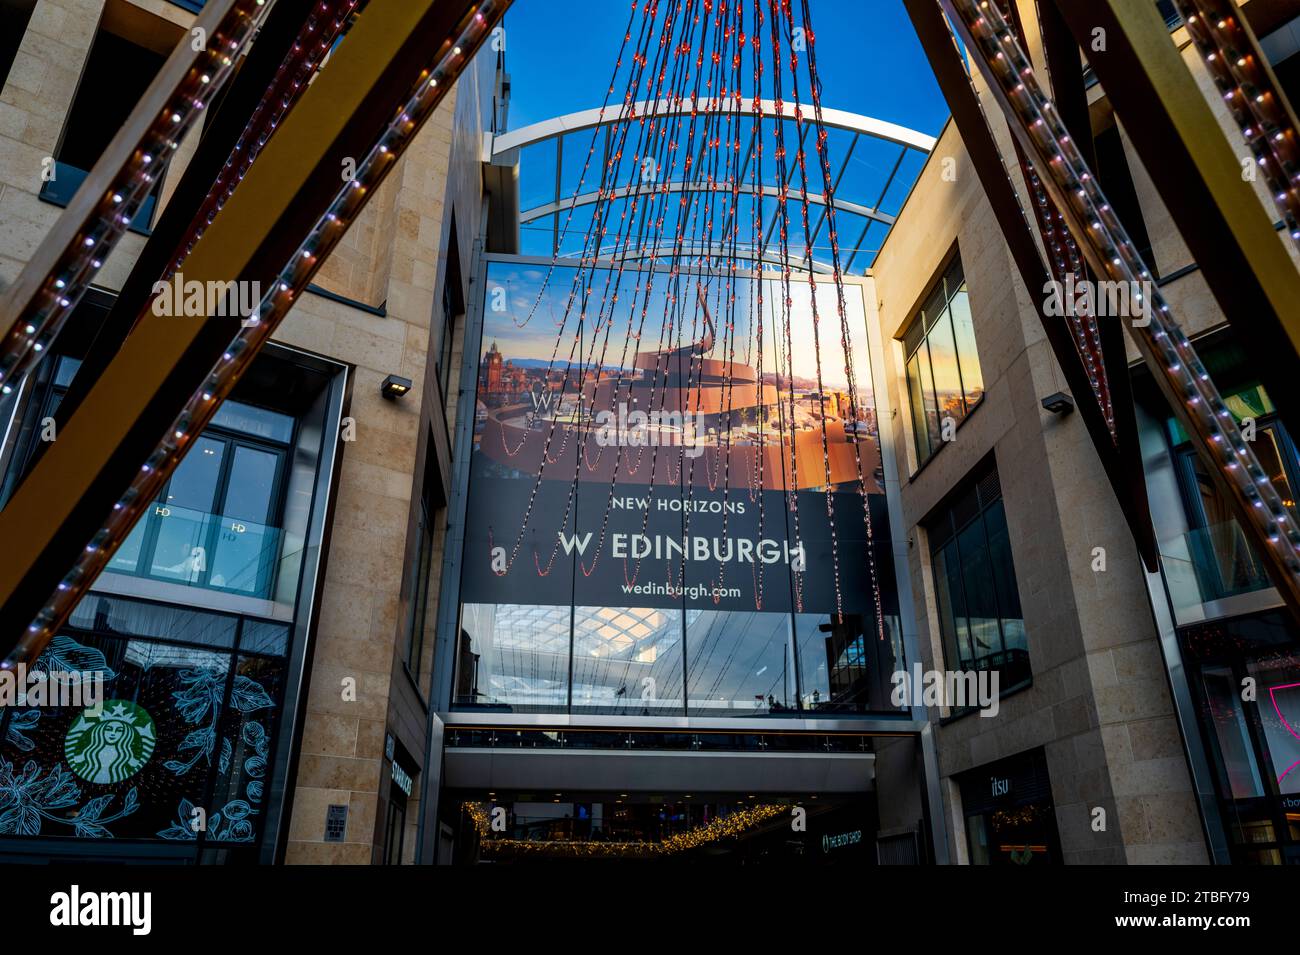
<point>943,360</point>
<point>513,657</point>
<point>917,402</point>
<point>245,546</point>
<point>952,608</point>
<point>971,377</point>
<point>194,482</point>
<point>183,516</point>
<point>846,667</point>
<point>930,401</point>
<point>1004,575</point>
<point>981,606</point>
<point>252,481</point>
<point>127,556</point>
<point>1276,674</point>
<point>1237,762</point>
<point>739,663</point>
<point>237,416</point>
<point>934,306</point>
<point>627,661</point>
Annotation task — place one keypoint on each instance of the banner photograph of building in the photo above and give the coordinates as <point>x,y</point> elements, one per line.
<point>735,432</point>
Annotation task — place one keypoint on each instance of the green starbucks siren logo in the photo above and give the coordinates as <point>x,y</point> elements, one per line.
<point>109,746</point>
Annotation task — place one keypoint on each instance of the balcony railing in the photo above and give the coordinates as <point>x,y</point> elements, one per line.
<point>1211,563</point>
<point>198,549</point>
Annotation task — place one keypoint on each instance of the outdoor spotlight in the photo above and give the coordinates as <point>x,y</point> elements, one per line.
<point>1059,403</point>
<point>395,386</point>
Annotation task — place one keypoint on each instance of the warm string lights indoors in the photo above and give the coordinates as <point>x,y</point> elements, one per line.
<point>293,278</point>
<point>1166,349</point>
<point>40,316</point>
<point>733,825</point>
<point>683,158</point>
<point>1241,73</point>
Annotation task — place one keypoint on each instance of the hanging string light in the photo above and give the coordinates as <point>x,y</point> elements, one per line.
<point>293,278</point>
<point>313,43</point>
<point>1166,349</point>
<point>672,194</point>
<point>1259,107</point>
<point>40,316</point>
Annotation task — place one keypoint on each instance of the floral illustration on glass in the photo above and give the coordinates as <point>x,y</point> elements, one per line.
<point>200,702</point>
<point>28,798</point>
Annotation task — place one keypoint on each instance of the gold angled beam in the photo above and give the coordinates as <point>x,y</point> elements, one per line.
<point>70,492</point>
<point>1199,175</point>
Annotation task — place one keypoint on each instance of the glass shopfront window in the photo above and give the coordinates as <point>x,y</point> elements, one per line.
<point>1254,743</point>
<point>944,380</point>
<point>975,583</point>
<point>1010,818</point>
<point>661,520</point>
<point>1223,562</point>
<point>181,749</point>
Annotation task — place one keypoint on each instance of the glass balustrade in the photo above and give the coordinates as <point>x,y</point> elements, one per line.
<point>187,546</point>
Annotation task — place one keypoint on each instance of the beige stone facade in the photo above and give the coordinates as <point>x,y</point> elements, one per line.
<point>384,277</point>
<point>1099,703</point>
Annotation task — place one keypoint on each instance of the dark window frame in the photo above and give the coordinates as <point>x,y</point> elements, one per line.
<point>934,316</point>
<point>232,439</point>
<point>945,528</point>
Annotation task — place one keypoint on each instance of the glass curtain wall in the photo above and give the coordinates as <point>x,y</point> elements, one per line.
<point>648,529</point>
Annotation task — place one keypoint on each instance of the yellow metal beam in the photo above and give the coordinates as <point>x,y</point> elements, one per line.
<point>165,359</point>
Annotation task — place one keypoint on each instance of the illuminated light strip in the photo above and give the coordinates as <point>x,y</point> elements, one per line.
<point>846,337</point>
<point>1239,68</point>
<point>292,279</point>
<point>310,47</point>
<point>1164,346</point>
<point>1055,235</point>
<point>40,317</point>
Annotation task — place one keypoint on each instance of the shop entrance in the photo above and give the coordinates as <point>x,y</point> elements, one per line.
<point>658,828</point>
<point>514,795</point>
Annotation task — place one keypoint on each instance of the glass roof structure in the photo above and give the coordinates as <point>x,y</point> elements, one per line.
<point>872,166</point>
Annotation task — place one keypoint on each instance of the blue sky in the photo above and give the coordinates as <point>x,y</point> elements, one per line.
<point>559,54</point>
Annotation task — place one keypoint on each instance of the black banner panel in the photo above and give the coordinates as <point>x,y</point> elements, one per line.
<point>676,498</point>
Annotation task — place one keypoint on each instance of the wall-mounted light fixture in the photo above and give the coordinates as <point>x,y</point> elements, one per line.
<point>1059,403</point>
<point>395,386</point>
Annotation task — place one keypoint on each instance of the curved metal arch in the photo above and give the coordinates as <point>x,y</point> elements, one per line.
<point>677,185</point>
<point>712,249</point>
<point>590,118</point>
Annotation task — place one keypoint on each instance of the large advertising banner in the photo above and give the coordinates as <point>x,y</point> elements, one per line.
<point>675,444</point>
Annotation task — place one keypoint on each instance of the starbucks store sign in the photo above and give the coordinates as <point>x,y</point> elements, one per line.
<point>110,743</point>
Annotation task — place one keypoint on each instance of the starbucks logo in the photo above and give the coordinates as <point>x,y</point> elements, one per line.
<point>111,745</point>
